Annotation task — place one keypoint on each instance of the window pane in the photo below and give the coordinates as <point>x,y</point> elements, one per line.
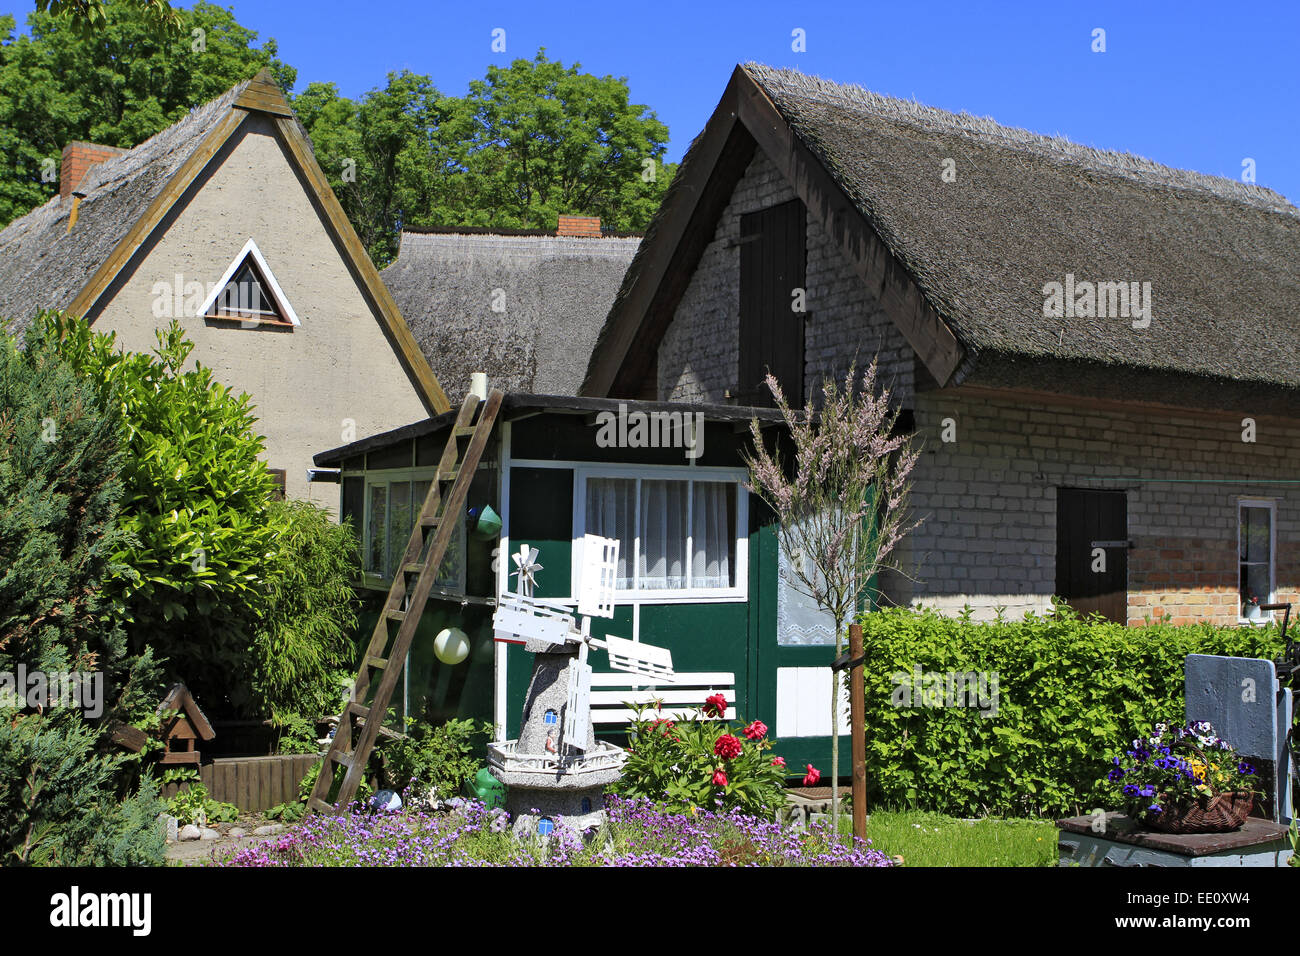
<point>663,534</point>
<point>378,525</point>
<point>713,535</point>
<point>1255,533</point>
<point>611,511</point>
<point>400,519</point>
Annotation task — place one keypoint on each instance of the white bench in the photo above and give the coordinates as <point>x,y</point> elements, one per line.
<point>684,696</point>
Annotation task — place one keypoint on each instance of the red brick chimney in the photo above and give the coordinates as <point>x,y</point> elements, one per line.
<point>586,226</point>
<point>78,157</point>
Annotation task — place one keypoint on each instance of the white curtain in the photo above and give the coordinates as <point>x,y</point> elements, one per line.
<point>663,534</point>
<point>611,513</point>
<point>713,534</point>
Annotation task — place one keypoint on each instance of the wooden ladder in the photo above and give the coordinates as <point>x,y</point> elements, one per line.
<point>404,606</point>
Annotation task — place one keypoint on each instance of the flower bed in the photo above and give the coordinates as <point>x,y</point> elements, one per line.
<point>639,833</point>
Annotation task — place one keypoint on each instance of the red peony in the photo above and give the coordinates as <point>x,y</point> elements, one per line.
<point>728,747</point>
<point>715,705</point>
<point>719,778</point>
<point>778,762</point>
<point>812,776</point>
<point>756,731</point>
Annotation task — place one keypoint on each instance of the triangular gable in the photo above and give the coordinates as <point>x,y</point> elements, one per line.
<point>262,95</point>
<point>248,291</point>
<point>744,120</point>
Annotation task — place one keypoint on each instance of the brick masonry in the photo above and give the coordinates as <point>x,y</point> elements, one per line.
<point>77,159</point>
<point>989,500</point>
<point>699,357</point>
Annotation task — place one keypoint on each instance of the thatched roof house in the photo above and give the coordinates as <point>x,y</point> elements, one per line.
<point>523,306</point>
<point>225,222</point>
<point>1098,352</point>
<point>972,219</point>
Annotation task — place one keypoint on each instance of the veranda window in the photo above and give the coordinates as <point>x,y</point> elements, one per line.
<point>679,537</point>
<point>392,506</point>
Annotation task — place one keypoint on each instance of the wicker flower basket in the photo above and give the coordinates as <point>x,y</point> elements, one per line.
<point>1221,813</point>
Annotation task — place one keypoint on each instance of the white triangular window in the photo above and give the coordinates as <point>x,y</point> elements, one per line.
<point>248,293</point>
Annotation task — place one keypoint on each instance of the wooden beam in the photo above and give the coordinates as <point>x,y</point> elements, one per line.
<point>263,95</point>
<point>376,293</point>
<point>153,215</point>
<point>683,209</point>
<point>927,333</point>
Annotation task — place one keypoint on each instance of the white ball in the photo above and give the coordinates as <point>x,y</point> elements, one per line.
<point>451,646</point>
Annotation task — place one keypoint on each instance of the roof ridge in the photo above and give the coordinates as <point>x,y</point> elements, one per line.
<point>934,119</point>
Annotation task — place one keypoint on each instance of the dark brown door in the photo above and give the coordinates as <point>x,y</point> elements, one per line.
<point>1092,551</point>
<point>772,267</point>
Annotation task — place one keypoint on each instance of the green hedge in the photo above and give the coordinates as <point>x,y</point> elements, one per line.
<point>1069,693</point>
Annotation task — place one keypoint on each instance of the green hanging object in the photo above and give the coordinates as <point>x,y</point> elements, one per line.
<point>486,522</point>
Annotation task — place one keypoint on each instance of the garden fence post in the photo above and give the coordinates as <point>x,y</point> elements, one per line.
<point>857,717</point>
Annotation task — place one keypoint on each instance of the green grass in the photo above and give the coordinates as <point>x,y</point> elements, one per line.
<point>932,839</point>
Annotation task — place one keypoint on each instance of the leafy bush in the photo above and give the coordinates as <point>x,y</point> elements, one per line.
<point>196,504</point>
<point>248,598</point>
<point>60,458</point>
<point>193,805</point>
<point>302,647</point>
<point>441,758</point>
<point>703,765</point>
<point>1067,688</point>
<point>58,805</point>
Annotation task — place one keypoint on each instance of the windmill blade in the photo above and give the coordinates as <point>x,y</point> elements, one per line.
<point>645,660</point>
<point>520,619</point>
<point>599,578</point>
<point>577,712</point>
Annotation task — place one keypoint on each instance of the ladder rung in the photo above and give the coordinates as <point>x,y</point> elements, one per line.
<point>451,474</point>
<point>430,521</point>
<point>378,663</point>
<point>395,615</point>
<point>361,710</point>
<point>412,568</point>
<point>320,806</point>
<point>462,430</point>
<point>340,757</point>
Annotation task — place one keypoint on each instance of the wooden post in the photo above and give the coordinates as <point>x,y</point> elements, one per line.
<point>857,718</point>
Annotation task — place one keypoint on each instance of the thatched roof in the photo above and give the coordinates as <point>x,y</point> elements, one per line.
<point>44,266</point>
<point>1222,257</point>
<point>555,292</point>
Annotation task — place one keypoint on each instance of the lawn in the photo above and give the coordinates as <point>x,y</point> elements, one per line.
<point>932,839</point>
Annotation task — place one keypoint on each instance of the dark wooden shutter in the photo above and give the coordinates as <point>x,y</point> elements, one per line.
<point>1084,520</point>
<point>773,264</point>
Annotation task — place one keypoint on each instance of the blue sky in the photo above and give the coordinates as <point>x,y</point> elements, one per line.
<point>1193,84</point>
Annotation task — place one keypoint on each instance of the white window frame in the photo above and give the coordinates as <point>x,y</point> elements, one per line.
<point>1271,505</point>
<point>385,476</point>
<point>276,293</point>
<point>688,595</point>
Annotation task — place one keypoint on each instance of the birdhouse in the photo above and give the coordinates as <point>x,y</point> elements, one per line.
<point>182,731</point>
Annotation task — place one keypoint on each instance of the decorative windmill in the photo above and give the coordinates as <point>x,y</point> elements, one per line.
<point>546,776</point>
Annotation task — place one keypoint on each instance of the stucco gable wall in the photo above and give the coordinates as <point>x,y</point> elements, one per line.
<point>331,380</point>
<point>699,355</point>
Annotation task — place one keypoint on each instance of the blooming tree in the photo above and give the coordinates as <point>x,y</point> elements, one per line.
<point>841,503</point>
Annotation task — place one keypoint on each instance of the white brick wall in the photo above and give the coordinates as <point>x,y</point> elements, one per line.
<point>699,356</point>
<point>990,501</point>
